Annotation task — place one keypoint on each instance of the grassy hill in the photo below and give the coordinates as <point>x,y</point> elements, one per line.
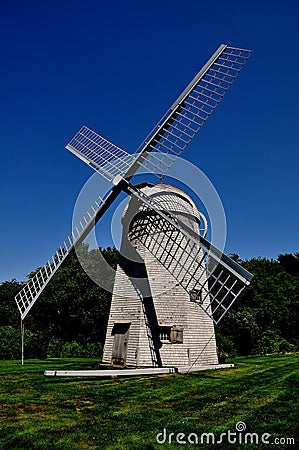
<point>38,412</point>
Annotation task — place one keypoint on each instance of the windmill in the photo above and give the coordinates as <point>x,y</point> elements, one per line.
<point>160,224</point>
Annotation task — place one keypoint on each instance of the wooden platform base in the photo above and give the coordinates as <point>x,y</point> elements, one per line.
<point>114,373</point>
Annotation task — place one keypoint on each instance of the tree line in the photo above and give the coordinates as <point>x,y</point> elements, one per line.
<point>70,317</point>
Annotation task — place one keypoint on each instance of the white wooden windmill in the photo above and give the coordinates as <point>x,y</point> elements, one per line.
<point>171,284</point>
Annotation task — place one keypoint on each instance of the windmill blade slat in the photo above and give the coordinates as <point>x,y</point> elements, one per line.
<point>28,295</point>
<point>212,279</point>
<point>104,157</point>
<point>192,108</point>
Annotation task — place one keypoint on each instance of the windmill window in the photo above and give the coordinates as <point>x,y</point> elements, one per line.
<point>173,335</point>
<point>196,295</point>
<point>164,334</point>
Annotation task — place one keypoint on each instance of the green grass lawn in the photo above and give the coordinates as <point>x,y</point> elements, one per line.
<point>38,412</point>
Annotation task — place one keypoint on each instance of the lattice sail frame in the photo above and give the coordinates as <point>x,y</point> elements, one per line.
<point>29,294</point>
<point>212,279</point>
<point>191,110</point>
<point>101,155</point>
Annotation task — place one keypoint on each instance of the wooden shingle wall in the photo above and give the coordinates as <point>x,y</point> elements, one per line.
<point>172,304</point>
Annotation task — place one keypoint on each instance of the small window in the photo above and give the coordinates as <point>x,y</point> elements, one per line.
<point>164,334</point>
<point>196,296</point>
<point>173,335</point>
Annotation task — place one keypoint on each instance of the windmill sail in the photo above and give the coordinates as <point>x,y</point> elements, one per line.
<point>191,110</point>
<point>28,295</point>
<point>174,131</point>
<point>212,279</point>
<point>104,157</point>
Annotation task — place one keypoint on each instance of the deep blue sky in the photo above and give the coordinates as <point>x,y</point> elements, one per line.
<point>117,66</point>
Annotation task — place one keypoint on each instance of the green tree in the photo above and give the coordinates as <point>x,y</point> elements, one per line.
<point>268,308</point>
<point>9,314</point>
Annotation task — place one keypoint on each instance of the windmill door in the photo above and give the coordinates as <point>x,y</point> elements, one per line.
<point>120,343</point>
